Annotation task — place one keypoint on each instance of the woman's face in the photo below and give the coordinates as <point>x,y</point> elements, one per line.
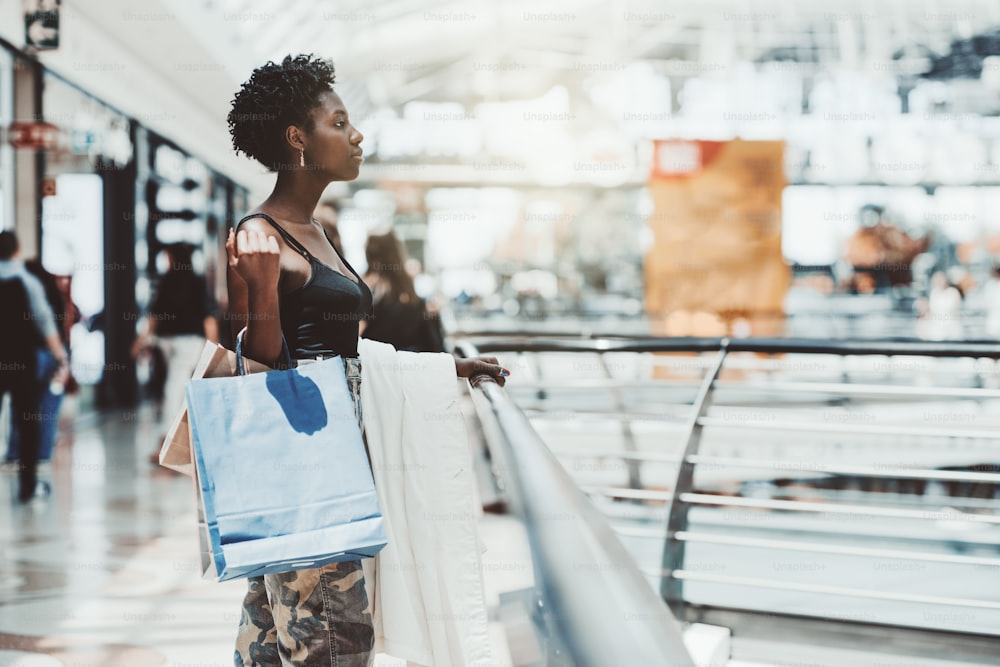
<point>334,145</point>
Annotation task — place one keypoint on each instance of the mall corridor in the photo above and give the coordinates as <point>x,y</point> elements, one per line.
<point>645,333</point>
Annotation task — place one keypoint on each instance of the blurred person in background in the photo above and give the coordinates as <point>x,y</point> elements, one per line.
<point>399,317</point>
<point>989,301</point>
<point>941,312</point>
<point>327,214</point>
<point>881,253</point>
<point>28,324</point>
<point>47,365</point>
<point>180,320</point>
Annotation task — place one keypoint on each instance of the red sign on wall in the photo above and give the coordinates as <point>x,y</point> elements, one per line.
<point>674,158</point>
<point>26,134</point>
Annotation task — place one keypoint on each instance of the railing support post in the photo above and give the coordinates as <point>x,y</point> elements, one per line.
<point>628,439</point>
<point>672,589</point>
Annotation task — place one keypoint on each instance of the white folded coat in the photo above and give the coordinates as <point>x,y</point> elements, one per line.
<point>426,586</point>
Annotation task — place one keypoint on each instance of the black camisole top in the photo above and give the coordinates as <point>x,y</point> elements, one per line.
<point>320,319</point>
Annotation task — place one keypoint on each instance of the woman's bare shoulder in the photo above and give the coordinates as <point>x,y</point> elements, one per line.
<point>257,224</point>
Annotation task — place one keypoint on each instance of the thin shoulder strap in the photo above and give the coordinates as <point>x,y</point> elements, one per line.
<point>281,230</point>
<point>342,258</point>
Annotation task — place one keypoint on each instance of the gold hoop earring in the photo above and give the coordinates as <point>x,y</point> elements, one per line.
<point>302,158</point>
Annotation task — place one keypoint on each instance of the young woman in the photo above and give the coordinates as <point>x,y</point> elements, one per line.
<point>287,280</point>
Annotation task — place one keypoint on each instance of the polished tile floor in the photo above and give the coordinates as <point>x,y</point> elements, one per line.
<point>104,572</point>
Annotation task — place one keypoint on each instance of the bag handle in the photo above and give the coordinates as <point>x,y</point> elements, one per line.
<point>240,369</point>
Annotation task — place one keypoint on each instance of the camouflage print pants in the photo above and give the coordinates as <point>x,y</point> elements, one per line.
<point>309,618</point>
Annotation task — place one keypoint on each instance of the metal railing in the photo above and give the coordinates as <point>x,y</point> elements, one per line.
<point>824,321</point>
<point>678,532</point>
<point>589,591</point>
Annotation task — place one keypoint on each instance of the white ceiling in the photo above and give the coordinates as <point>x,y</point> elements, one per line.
<point>395,52</point>
<point>389,53</point>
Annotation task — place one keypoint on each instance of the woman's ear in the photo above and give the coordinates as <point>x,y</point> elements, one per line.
<point>293,135</point>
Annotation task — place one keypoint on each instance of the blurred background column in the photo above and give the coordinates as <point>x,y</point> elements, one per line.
<point>119,385</point>
<point>28,162</point>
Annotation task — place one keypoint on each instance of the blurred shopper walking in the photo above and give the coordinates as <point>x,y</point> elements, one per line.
<point>399,317</point>
<point>28,324</point>
<point>180,320</point>
<point>47,365</point>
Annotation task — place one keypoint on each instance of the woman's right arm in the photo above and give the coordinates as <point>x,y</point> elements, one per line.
<point>254,269</point>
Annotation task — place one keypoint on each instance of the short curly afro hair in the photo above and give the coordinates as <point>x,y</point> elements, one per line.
<point>276,96</point>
